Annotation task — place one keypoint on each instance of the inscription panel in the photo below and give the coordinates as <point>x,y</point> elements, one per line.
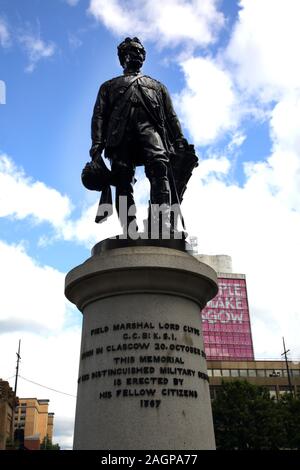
<point>148,361</point>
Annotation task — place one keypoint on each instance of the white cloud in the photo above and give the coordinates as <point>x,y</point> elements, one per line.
<point>285,122</point>
<point>281,171</point>
<point>36,49</point>
<point>2,92</point>
<point>211,167</point>
<point>264,47</point>
<point>4,33</point>
<point>84,230</point>
<point>33,308</point>
<point>207,104</point>
<point>22,197</point>
<point>74,41</point>
<point>166,23</point>
<point>31,294</point>
<point>50,361</point>
<point>237,140</point>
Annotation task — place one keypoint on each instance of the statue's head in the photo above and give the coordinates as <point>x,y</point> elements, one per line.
<point>131,54</point>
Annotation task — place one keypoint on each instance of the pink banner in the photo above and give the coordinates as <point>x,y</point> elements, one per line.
<point>226,323</point>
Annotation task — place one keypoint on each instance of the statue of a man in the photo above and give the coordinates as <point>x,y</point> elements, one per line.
<point>134,121</point>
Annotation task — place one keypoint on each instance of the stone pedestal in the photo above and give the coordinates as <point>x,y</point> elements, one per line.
<point>142,375</point>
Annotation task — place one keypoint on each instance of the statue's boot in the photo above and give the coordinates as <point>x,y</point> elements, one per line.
<point>160,208</point>
<point>126,209</point>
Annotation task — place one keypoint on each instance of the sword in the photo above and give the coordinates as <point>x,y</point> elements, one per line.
<point>177,197</point>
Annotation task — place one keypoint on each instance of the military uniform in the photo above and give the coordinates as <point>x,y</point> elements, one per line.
<point>134,121</point>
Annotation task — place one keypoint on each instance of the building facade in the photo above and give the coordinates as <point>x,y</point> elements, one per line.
<point>274,375</point>
<point>8,402</point>
<point>225,319</point>
<point>32,415</point>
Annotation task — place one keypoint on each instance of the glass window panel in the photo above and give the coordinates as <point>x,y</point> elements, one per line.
<point>217,372</point>
<point>295,373</point>
<point>261,373</point>
<point>234,373</point>
<point>243,372</point>
<point>273,373</point>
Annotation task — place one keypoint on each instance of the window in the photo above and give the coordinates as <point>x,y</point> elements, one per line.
<point>261,373</point>
<point>273,373</point>
<point>217,372</point>
<point>243,373</point>
<point>295,373</point>
<point>252,372</point>
<point>234,373</point>
<point>226,373</point>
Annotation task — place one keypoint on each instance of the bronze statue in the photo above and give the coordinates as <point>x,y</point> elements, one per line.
<point>135,124</point>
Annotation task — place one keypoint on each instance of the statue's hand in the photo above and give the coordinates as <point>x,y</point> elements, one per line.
<point>180,144</point>
<point>95,151</point>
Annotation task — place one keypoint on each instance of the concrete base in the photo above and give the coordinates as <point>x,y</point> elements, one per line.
<point>142,374</point>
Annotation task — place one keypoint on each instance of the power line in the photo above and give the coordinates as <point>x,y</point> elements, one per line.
<point>49,388</point>
<point>11,377</point>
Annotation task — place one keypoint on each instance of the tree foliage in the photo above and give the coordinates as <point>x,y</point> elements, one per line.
<point>47,444</point>
<point>245,417</point>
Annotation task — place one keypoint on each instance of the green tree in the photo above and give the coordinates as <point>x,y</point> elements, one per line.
<point>245,417</point>
<point>47,444</point>
<point>290,409</point>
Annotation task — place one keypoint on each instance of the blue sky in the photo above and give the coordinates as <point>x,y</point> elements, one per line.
<point>235,83</point>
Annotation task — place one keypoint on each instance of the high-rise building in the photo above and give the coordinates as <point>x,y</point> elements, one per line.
<point>32,415</point>
<point>8,402</point>
<point>225,319</point>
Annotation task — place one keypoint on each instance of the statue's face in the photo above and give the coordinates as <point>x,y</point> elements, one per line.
<point>133,58</point>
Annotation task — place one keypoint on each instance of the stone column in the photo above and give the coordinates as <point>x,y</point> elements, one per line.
<point>142,376</point>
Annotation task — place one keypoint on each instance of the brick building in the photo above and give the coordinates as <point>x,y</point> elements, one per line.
<point>32,415</point>
<point>8,402</point>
